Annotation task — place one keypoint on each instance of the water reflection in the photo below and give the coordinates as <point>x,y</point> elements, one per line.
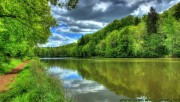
<point>82,89</point>
<point>150,78</point>
<point>74,81</point>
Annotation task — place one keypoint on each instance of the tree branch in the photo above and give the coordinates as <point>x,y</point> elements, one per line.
<point>11,16</point>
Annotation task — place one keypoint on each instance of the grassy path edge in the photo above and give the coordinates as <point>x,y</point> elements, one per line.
<point>34,84</point>
<point>6,79</point>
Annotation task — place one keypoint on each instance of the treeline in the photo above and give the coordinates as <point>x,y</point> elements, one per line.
<point>153,35</point>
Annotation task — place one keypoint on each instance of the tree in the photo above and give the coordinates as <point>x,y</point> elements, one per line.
<point>125,45</point>
<point>127,21</point>
<point>177,11</point>
<point>112,44</point>
<point>151,21</point>
<point>153,46</point>
<point>81,41</point>
<point>136,21</point>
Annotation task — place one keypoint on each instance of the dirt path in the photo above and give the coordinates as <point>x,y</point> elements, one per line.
<point>6,79</point>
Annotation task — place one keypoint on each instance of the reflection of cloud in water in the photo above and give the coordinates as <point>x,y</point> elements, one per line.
<point>75,82</point>
<point>85,86</point>
<point>64,74</point>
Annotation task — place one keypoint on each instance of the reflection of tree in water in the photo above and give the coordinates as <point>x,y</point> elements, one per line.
<point>153,79</point>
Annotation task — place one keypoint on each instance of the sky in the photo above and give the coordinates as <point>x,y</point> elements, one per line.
<point>91,15</point>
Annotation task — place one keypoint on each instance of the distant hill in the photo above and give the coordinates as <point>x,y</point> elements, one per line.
<point>127,37</point>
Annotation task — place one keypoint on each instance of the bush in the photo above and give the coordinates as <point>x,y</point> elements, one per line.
<point>8,65</point>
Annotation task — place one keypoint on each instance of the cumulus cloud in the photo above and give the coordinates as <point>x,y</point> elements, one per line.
<point>84,24</point>
<point>58,40</point>
<point>102,6</point>
<point>143,9</point>
<point>80,26</point>
<point>130,3</point>
<point>159,5</point>
<point>92,15</point>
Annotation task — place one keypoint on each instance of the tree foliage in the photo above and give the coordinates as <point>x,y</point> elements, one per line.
<point>177,12</point>
<point>151,21</point>
<point>24,24</point>
<point>153,35</point>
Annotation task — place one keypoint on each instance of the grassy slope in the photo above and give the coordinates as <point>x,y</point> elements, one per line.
<point>34,85</point>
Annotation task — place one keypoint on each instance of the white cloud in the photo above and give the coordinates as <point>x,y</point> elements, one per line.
<point>63,30</point>
<point>75,29</point>
<point>168,5</point>
<point>78,26</point>
<point>57,10</point>
<point>160,7</point>
<point>130,3</point>
<point>143,9</point>
<point>58,40</point>
<point>102,6</point>
<point>91,22</point>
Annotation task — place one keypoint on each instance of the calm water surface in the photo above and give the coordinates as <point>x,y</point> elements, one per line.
<point>110,80</point>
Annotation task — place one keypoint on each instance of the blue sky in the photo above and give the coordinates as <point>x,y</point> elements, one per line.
<point>92,15</point>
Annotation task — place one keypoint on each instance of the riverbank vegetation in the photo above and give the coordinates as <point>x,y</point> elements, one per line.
<point>34,84</point>
<point>152,35</point>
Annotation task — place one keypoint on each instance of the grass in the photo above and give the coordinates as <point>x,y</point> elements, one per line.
<point>6,67</point>
<point>33,84</point>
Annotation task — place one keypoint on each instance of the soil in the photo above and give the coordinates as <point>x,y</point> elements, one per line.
<point>8,78</point>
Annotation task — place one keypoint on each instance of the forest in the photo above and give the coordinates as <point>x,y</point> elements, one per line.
<point>152,35</point>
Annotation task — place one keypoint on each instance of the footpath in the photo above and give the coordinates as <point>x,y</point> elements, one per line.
<point>8,78</point>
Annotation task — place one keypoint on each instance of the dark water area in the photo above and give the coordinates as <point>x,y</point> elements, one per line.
<point>111,80</point>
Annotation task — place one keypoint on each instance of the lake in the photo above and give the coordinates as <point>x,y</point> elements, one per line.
<point>115,79</point>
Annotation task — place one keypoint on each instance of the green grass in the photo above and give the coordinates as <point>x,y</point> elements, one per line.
<point>33,84</point>
<point>7,66</point>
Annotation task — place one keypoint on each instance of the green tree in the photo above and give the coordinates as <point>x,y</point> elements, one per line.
<point>136,21</point>
<point>112,44</point>
<point>125,43</point>
<point>127,21</point>
<point>170,28</point>
<point>177,11</point>
<point>153,46</point>
<point>101,48</point>
<point>81,41</point>
<point>151,21</point>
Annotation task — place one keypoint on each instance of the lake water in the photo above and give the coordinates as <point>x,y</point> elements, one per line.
<point>112,80</point>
